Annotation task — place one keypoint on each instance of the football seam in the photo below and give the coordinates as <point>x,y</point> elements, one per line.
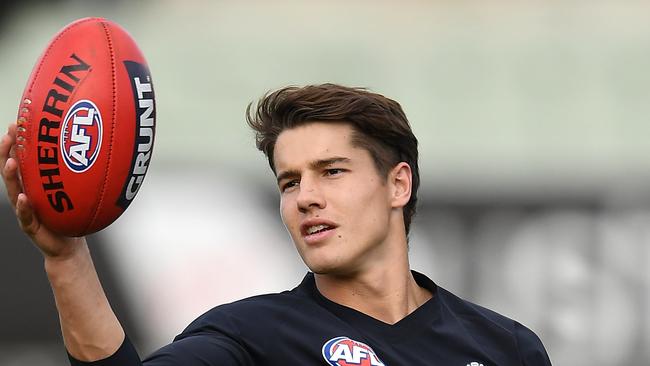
<point>26,187</point>
<point>113,116</point>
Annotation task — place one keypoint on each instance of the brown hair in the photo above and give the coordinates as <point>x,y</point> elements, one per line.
<point>380,125</point>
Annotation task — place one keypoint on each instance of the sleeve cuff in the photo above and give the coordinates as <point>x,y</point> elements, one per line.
<point>126,355</point>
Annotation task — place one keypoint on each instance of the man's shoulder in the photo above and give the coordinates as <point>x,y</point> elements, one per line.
<point>486,326</point>
<point>471,312</point>
<point>462,310</point>
<point>254,313</point>
<point>250,307</point>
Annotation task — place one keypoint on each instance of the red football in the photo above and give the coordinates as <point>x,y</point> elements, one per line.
<point>86,126</point>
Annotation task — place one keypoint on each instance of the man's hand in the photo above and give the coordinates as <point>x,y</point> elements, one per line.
<point>52,246</point>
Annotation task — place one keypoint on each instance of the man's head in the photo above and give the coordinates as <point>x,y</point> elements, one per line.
<point>379,125</point>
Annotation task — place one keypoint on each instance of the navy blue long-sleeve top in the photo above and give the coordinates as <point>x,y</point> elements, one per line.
<point>302,327</point>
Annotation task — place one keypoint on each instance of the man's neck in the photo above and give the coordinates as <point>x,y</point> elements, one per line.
<point>386,292</point>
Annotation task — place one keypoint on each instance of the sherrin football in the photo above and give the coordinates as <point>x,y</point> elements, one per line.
<point>86,126</point>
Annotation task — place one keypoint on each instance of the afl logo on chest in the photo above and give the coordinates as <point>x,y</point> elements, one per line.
<point>81,136</point>
<point>343,351</point>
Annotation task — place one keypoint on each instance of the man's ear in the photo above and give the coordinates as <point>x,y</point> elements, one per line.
<point>400,181</point>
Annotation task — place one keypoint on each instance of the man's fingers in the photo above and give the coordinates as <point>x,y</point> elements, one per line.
<point>12,182</point>
<point>11,130</point>
<point>9,164</point>
<point>11,176</point>
<point>25,215</point>
<point>6,141</point>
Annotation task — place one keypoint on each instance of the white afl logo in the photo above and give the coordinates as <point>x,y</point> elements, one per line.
<point>81,136</point>
<point>343,351</point>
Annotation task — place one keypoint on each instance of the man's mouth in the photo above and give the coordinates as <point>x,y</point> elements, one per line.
<point>317,229</point>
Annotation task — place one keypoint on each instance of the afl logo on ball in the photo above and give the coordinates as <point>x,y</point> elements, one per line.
<point>343,351</point>
<point>81,136</point>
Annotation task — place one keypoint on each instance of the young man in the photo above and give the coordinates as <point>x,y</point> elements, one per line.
<point>346,165</point>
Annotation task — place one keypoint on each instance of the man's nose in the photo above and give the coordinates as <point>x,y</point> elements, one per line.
<point>310,196</point>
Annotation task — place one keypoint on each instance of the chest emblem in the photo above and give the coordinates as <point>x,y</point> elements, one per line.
<point>343,351</point>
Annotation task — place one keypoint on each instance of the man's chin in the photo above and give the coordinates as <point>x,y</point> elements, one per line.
<point>320,269</point>
<point>324,263</point>
<point>331,269</point>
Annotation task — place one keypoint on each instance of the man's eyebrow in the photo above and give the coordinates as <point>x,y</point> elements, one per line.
<point>316,164</point>
<point>287,174</point>
<point>325,162</point>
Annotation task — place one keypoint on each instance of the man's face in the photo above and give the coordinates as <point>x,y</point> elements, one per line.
<point>333,202</point>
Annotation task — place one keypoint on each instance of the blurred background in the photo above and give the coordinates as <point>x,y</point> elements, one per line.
<point>533,122</point>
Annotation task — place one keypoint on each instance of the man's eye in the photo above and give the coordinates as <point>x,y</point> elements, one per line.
<point>288,185</point>
<point>333,171</point>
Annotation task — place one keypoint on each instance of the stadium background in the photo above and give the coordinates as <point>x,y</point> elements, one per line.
<point>533,123</point>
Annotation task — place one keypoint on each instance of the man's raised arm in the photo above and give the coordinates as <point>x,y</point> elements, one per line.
<point>91,331</point>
